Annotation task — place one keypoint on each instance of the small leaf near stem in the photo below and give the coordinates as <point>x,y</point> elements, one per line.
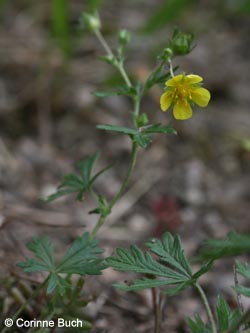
<point>207,306</point>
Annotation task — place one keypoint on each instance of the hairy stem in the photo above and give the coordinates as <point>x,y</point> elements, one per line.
<point>207,306</point>
<point>123,187</point>
<point>171,68</point>
<point>117,64</point>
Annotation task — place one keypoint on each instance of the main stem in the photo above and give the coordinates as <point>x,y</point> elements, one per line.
<point>207,306</point>
<point>120,192</point>
<point>119,65</point>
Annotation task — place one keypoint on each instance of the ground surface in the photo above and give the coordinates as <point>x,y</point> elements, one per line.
<point>195,184</point>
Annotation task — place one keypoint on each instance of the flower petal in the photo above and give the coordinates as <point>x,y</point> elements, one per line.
<point>175,80</point>
<point>182,110</point>
<point>201,96</point>
<point>166,100</point>
<point>191,78</point>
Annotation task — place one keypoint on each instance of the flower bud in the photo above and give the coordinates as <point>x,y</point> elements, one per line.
<point>124,37</point>
<point>167,53</point>
<point>91,22</point>
<point>181,43</point>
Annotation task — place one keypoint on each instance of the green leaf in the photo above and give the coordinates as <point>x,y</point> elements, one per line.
<point>140,284</point>
<point>234,244</point>
<point>142,139</point>
<point>242,290</point>
<point>79,183</point>
<point>223,313</point>
<point>141,135</point>
<point>86,167</point>
<point>122,90</point>
<point>169,250</point>
<point>197,325</point>
<point>134,260</point>
<point>156,77</point>
<point>33,265</point>
<point>204,269</point>
<point>43,249</point>
<point>119,129</point>
<point>81,258</point>
<point>158,128</point>
<point>57,283</point>
<point>177,274</point>
<point>243,269</point>
<point>141,120</point>
<point>227,318</point>
<point>176,290</point>
<point>102,94</point>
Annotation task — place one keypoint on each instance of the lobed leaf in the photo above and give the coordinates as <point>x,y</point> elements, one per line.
<point>79,183</point>
<point>43,249</point>
<point>169,250</point>
<point>81,258</point>
<point>234,244</point>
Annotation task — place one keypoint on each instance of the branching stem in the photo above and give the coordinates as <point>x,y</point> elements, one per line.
<point>117,63</point>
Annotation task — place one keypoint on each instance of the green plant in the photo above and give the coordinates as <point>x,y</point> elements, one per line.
<point>164,265</point>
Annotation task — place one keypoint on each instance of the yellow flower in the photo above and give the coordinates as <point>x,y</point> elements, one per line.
<point>181,91</point>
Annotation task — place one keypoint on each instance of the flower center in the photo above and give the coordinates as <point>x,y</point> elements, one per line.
<point>182,93</point>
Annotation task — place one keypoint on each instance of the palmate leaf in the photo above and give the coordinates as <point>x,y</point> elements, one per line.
<point>78,183</point>
<point>234,244</point>
<point>172,269</point>
<point>81,258</point>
